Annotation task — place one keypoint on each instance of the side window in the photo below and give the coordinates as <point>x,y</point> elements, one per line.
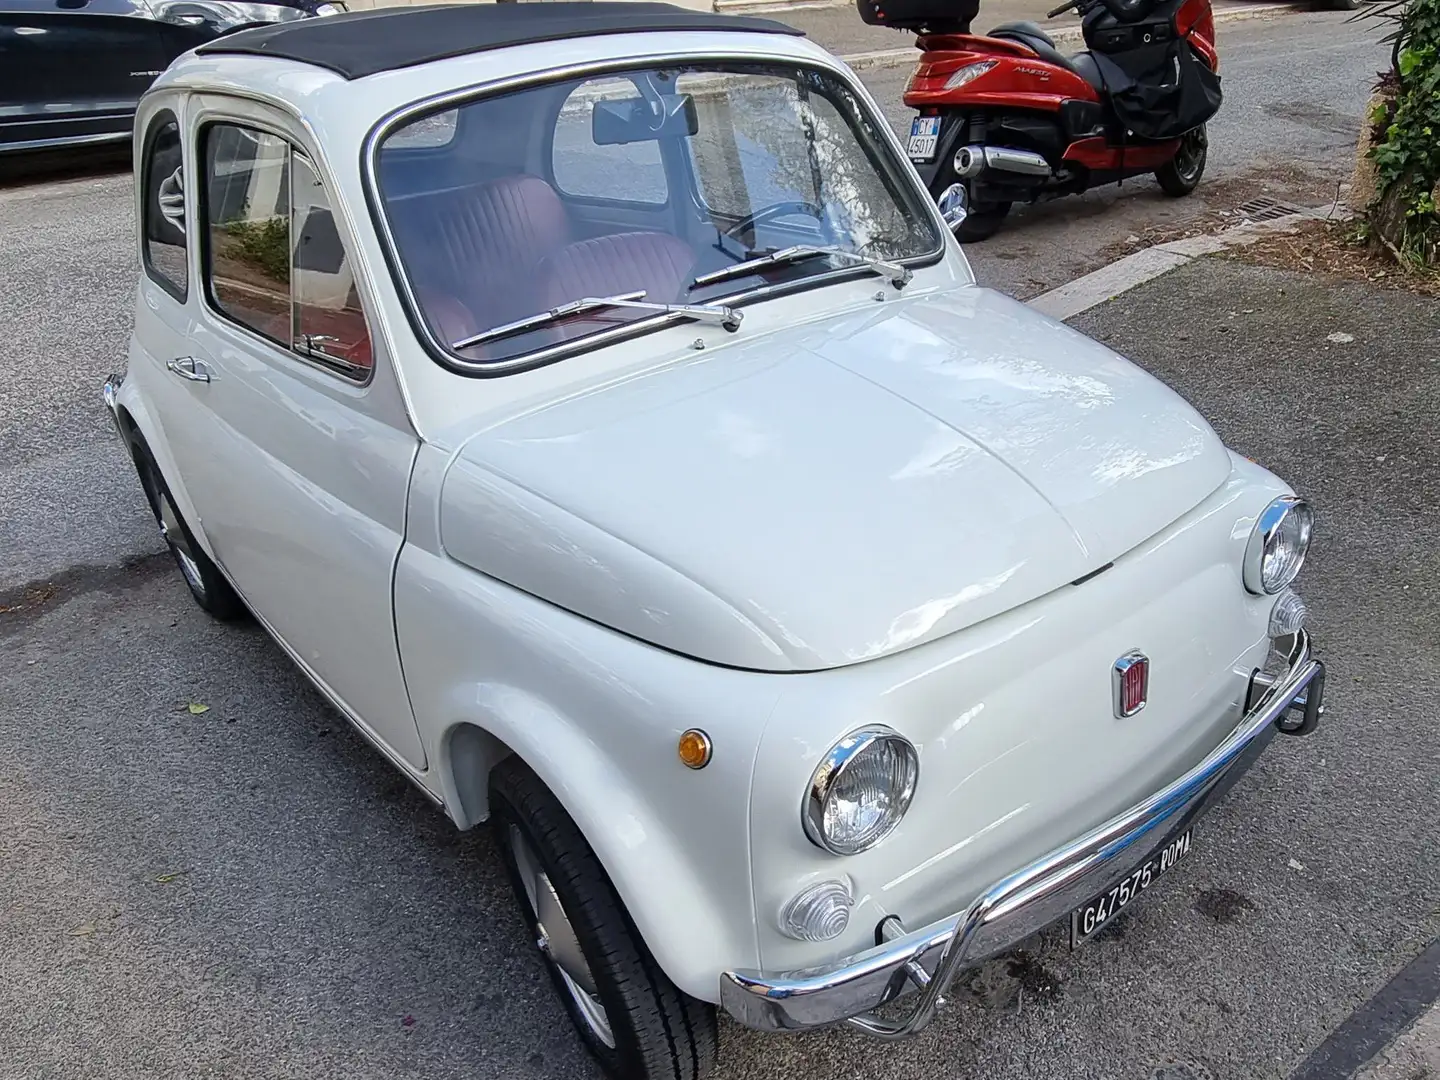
<point>626,172</point>
<point>247,210</point>
<point>329,322</point>
<point>163,217</point>
<point>275,263</point>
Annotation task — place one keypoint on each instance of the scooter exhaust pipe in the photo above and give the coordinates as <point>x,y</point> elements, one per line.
<point>971,161</point>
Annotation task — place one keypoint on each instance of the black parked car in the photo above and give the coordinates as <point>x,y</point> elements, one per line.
<point>72,71</point>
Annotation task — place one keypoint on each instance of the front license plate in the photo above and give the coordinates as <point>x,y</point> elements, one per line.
<point>1087,921</point>
<point>924,135</point>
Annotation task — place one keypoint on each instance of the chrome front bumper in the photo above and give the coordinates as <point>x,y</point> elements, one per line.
<point>1030,899</point>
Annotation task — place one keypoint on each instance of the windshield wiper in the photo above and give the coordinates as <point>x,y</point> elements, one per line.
<point>719,314</point>
<point>899,276</point>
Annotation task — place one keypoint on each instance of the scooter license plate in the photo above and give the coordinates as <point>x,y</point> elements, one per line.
<point>924,137</point>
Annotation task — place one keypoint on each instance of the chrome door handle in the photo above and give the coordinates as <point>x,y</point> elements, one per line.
<point>187,367</point>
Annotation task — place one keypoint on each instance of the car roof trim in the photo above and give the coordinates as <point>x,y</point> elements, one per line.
<point>364,43</point>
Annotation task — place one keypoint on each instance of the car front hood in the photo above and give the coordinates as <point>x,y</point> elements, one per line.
<point>834,492</point>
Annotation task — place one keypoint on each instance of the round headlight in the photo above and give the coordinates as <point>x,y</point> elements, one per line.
<point>1278,544</point>
<point>861,790</point>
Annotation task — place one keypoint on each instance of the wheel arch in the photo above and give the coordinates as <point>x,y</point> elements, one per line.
<point>142,434</point>
<point>469,757</point>
<point>645,861</point>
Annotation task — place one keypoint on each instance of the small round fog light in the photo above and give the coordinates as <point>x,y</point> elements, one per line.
<point>1287,616</point>
<point>817,913</point>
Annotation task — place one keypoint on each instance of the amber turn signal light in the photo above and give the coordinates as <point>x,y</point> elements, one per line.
<point>695,749</point>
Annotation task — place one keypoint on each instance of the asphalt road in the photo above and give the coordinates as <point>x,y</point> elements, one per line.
<point>251,891</point>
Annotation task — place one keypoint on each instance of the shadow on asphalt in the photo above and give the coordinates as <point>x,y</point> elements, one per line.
<point>59,166</point>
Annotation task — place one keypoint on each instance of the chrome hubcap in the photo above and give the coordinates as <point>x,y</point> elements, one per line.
<point>178,542</point>
<point>556,939</point>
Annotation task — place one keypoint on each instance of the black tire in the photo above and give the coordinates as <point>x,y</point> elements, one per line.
<point>207,585</point>
<point>1180,175</point>
<point>982,222</point>
<point>659,1032</point>
<point>1341,5</point>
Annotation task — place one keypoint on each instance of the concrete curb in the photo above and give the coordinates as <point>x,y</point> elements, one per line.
<point>1110,281</point>
<point>1065,35</point>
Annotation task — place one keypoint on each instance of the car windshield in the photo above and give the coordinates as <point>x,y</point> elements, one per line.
<point>530,219</point>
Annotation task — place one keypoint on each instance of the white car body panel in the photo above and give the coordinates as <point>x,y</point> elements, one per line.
<point>938,462</point>
<point>899,492</point>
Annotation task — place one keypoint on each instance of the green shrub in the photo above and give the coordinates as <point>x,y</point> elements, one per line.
<point>1407,152</point>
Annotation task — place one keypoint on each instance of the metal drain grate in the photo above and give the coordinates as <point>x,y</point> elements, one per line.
<point>1265,208</point>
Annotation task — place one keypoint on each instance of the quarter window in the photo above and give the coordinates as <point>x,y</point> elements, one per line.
<point>163,243</point>
<point>275,262</point>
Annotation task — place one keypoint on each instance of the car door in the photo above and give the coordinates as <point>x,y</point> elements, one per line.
<point>285,423</point>
<point>74,70</point>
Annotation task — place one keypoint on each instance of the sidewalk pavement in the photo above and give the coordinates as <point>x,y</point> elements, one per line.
<point>839,29</point>
<point>1414,1055</point>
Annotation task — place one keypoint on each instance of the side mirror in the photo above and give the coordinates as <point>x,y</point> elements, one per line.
<point>954,203</point>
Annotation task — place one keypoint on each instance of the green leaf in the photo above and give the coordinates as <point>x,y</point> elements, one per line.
<point>196,708</point>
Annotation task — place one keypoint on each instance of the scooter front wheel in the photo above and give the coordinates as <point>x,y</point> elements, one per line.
<point>1180,175</point>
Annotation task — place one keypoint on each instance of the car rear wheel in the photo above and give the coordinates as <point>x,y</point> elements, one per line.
<point>207,585</point>
<point>634,1021</point>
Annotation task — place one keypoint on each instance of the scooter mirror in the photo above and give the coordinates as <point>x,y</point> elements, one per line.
<point>954,203</point>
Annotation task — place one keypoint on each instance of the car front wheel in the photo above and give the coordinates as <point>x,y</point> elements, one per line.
<point>635,1022</point>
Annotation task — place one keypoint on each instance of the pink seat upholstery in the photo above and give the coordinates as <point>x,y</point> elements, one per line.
<point>622,262</point>
<point>481,243</point>
<point>450,320</point>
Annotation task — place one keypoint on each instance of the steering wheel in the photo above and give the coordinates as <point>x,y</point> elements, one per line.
<point>775,210</point>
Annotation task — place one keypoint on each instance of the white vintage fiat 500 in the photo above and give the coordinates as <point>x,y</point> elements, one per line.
<point>590,400</point>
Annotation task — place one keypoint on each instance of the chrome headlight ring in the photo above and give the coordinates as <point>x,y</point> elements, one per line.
<point>1278,545</point>
<point>869,776</point>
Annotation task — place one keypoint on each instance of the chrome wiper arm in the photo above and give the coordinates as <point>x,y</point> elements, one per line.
<point>530,322</point>
<point>899,275</point>
<point>719,314</point>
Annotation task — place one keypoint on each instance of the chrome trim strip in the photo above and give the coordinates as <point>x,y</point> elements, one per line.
<point>60,142</point>
<point>1012,908</point>
<point>369,160</point>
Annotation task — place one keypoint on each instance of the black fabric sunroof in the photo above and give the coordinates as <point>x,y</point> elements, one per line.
<point>366,42</point>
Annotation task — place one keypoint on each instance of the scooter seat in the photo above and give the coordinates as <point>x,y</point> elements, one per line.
<point>1033,37</point>
<point>1022,29</point>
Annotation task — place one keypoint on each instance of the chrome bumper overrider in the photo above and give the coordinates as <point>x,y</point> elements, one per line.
<point>1032,898</point>
<point>111,391</point>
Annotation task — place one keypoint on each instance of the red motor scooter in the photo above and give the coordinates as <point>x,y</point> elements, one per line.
<point>1010,119</point>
